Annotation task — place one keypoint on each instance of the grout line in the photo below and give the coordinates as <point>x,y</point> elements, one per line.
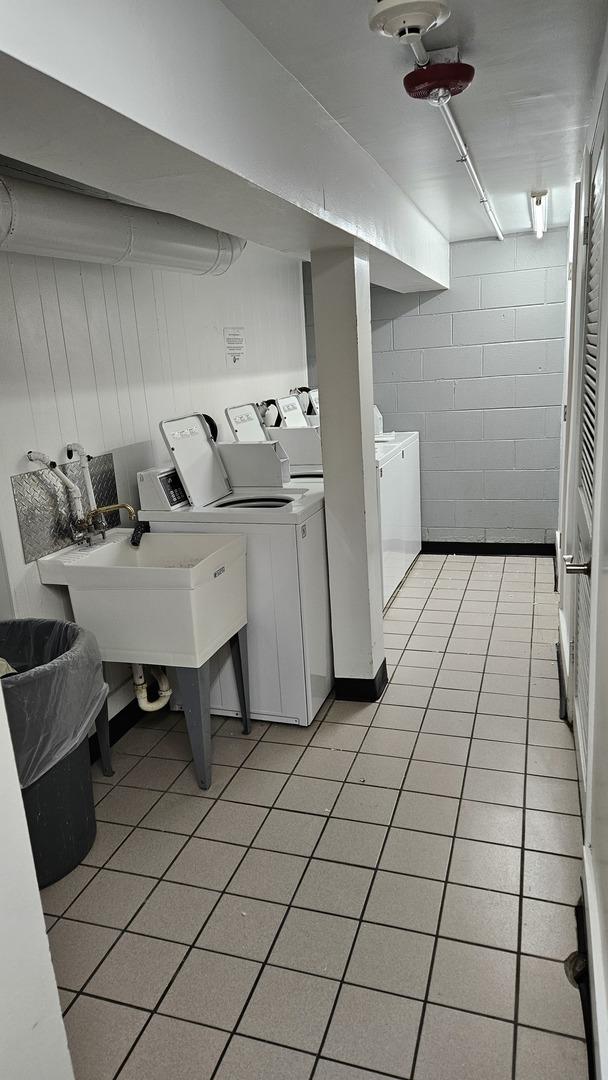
<point>521,883</point>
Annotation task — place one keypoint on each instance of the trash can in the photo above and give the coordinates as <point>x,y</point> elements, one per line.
<point>55,693</point>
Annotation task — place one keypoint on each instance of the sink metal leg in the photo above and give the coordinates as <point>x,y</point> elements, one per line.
<point>102,726</point>
<point>238,649</point>
<point>194,688</point>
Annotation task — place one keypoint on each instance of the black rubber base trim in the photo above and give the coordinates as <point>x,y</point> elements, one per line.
<point>119,725</point>
<point>363,689</point>
<point>584,985</point>
<point>441,547</point>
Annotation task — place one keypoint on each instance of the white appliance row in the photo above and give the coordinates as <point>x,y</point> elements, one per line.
<point>289,632</point>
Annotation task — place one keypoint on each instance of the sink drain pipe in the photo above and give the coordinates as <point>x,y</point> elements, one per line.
<point>141,688</point>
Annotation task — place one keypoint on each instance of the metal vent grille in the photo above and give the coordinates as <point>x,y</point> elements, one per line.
<point>592,311</point>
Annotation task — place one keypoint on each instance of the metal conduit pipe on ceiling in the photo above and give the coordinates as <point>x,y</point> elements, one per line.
<point>39,220</point>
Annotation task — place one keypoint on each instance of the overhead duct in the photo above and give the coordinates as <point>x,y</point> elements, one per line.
<point>40,220</point>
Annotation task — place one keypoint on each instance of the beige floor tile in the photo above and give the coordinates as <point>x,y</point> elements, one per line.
<point>57,898</point>
<point>429,813</point>
<point>490,822</point>
<point>111,899</point>
<point>559,833</point>
<point>137,970</point>
<point>334,887</point>
<point>541,1056</point>
<point>497,754</point>
<point>353,842</point>
<point>365,803</point>
<point>76,950</point>
<point>374,1030</point>
<point>411,903</point>
<point>174,1048</point>
<point>418,853</point>
<point>232,822</point>
<point>206,863</point>
<point>241,926</point>
<point>109,837</point>
<point>285,830</point>
<point>548,930</point>
<point>176,813</point>
<point>148,852</point>
<point>254,786</point>
<point>324,764</point>
<point>547,998</point>
<point>378,770</point>
<point>100,1035</point>
<point>485,866</point>
<point>268,875</point>
<point>462,1046</point>
<point>480,917</point>
<point>174,912</point>
<point>251,1059</point>
<point>494,786</point>
<point>392,960</point>
<point>314,942</point>
<point>475,978</point>
<point>293,1004</point>
<point>210,988</point>
<point>552,877</point>
<point>448,749</point>
<point>433,778</point>
<point>443,722</point>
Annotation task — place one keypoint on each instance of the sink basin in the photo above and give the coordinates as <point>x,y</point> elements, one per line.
<point>174,600</point>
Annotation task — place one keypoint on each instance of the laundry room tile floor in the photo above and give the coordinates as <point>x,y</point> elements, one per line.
<point>387,893</point>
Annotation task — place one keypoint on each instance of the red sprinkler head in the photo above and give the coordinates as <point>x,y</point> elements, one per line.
<point>437,83</point>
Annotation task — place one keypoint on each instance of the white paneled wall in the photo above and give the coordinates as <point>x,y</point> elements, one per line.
<point>476,369</point>
<point>100,355</point>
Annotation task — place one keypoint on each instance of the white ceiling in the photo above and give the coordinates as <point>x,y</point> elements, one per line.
<point>523,117</point>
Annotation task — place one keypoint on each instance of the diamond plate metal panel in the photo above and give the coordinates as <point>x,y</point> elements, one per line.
<point>43,509</point>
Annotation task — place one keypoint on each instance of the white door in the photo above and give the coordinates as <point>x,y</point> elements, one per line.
<point>585,422</point>
<point>568,449</point>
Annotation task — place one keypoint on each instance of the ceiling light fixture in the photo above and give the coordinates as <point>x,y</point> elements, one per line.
<point>539,212</point>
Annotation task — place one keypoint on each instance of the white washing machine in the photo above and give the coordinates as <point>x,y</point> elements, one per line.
<point>288,630</point>
<point>398,483</point>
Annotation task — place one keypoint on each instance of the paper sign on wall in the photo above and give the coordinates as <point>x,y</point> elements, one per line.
<point>234,346</point>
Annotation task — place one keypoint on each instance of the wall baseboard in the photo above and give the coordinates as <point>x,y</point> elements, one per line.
<point>447,547</point>
<point>122,722</point>
<point>362,689</point>
<point>597,968</point>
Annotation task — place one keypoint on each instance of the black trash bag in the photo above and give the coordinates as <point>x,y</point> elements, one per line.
<point>56,694</point>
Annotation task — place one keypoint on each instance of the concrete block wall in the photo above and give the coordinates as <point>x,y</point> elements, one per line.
<point>477,370</point>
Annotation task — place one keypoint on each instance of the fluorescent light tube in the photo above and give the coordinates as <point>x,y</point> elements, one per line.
<point>539,213</point>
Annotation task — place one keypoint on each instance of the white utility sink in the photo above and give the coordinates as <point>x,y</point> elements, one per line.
<point>173,600</point>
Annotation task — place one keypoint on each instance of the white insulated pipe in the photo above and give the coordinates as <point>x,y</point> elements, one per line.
<point>39,220</point>
<point>465,157</point>
<point>141,688</point>
<point>83,458</point>
<point>74,493</point>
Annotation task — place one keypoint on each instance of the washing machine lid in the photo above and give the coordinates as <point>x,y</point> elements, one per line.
<point>196,458</point>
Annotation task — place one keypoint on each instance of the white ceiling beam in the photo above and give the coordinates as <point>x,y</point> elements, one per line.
<point>180,108</point>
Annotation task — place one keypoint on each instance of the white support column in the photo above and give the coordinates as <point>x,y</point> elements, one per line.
<point>341,299</point>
